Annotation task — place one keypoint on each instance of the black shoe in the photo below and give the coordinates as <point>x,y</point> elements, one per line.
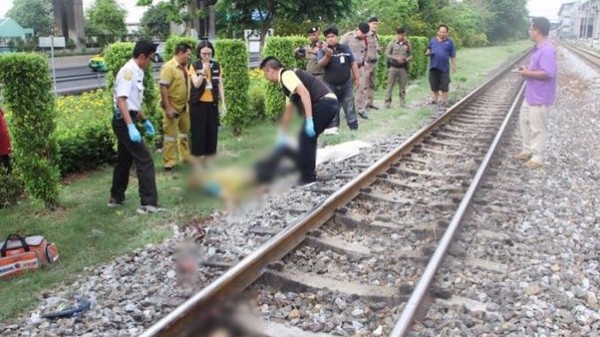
<point>363,115</point>
<point>168,168</point>
<point>373,107</point>
<point>112,202</point>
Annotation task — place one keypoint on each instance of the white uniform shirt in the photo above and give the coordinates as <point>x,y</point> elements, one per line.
<point>130,83</point>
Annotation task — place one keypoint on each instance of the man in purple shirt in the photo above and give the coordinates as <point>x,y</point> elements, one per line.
<point>441,51</point>
<point>540,93</point>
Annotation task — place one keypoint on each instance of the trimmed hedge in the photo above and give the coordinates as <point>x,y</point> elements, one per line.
<point>12,189</point>
<point>174,40</point>
<point>32,123</point>
<point>232,55</point>
<point>85,140</point>
<point>283,49</point>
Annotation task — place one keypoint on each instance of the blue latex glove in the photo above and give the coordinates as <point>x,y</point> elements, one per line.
<point>213,189</point>
<point>309,127</point>
<point>281,140</point>
<point>134,134</point>
<point>149,127</point>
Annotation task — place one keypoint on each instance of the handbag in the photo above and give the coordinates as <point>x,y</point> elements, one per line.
<point>20,254</point>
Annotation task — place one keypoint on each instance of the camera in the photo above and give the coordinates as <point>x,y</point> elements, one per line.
<point>302,51</point>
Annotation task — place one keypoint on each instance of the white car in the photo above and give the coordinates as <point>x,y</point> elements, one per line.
<point>160,52</point>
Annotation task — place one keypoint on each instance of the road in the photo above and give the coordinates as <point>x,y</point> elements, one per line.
<point>75,77</point>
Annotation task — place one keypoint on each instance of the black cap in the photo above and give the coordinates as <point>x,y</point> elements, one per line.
<point>373,19</point>
<point>313,30</point>
<point>331,30</point>
<point>364,27</point>
<point>401,30</point>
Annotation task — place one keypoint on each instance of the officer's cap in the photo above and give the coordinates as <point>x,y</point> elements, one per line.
<point>313,30</point>
<point>364,27</point>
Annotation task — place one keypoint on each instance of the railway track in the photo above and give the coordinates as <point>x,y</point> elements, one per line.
<point>589,56</point>
<point>361,261</point>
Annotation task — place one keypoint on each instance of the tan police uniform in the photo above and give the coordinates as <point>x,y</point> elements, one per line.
<point>175,130</point>
<point>358,47</point>
<point>398,55</point>
<point>371,66</point>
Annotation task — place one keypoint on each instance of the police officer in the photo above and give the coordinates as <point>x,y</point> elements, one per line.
<point>175,85</point>
<point>310,51</point>
<point>314,99</point>
<point>398,54</point>
<point>373,50</point>
<point>340,71</point>
<point>358,43</point>
<point>127,97</point>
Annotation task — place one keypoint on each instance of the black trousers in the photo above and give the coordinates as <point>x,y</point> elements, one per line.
<point>128,153</point>
<point>323,112</point>
<point>5,161</point>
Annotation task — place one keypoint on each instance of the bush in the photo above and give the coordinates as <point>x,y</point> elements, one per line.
<point>283,49</point>
<point>32,123</point>
<point>83,131</point>
<point>298,41</point>
<point>257,94</point>
<point>174,40</point>
<point>12,189</point>
<point>233,58</point>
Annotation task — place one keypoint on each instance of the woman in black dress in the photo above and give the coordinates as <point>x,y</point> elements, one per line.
<point>206,93</point>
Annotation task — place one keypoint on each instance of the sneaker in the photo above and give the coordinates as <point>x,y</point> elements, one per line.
<point>112,202</point>
<point>523,155</point>
<point>363,115</point>
<point>331,131</point>
<point>533,164</point>
<point>168,168</point>
<point>305,183</point>
<point>150,209</point>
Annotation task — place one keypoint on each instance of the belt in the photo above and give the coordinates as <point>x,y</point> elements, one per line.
<point>330,96</point>
<point>316,74</point>
<point>132,113</point>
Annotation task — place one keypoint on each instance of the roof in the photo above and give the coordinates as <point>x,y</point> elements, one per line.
<point>9,28</point>
<point>565,7</point>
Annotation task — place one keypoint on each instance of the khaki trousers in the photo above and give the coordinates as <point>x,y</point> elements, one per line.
<point>361,92</point>
<point>175,131</point>
<point>533,121</point>
<point>370,76</point>
<point>399,75</point>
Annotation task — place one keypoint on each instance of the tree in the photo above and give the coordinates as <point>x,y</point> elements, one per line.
<point>155,21</point>
<point>509,19</point>
<point>106,20</point>
<point>391,13</point>
<point>178,11</point>
<point>36,14</point>
<point>260,14</point>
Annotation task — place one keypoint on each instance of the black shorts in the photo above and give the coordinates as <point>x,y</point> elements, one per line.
<point>439,80</point>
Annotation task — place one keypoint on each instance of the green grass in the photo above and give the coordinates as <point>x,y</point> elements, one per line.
<point>88,233</point>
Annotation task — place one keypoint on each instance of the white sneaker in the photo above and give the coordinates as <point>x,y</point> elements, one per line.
<point>150,209</point>
<point>331,131</point>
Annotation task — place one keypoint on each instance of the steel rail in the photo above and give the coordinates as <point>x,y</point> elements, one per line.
<point>586,54</point>
<point>416,299</point>
<point>185,320</point>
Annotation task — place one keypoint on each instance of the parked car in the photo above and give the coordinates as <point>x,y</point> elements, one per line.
<point>97,63</point>
<point>160,52</point>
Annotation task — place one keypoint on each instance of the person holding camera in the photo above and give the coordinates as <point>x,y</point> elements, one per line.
<point>310,52</point>
<point>398,54</point>
<point>175,95</point>
<point>341,74</point>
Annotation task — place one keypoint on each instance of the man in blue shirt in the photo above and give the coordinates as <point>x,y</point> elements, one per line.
<point>440,50</point>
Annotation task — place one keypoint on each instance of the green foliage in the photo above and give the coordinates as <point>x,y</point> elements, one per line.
<point>106,20</point>
<point>32,122</point>
<point>298,41</point>
<point>174,40</point>
<point>155,21</point>
<point>391,13</point>
<point>115,56</point>
<point>257,94</point>
<point>283,49</point>
<point>233,57</point>
<point>36,14</point>
<point>83,131</point>
<point>12,189</point>
<point>508,19</point>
